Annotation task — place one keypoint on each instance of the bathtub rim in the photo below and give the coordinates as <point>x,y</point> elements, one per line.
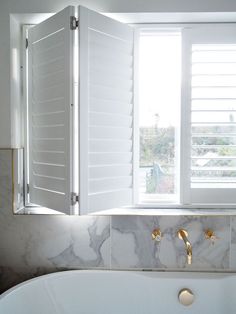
<point>156,273</point>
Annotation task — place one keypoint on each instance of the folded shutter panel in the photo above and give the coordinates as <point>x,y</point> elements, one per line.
<point>50,99</point>
<point>106,112</point>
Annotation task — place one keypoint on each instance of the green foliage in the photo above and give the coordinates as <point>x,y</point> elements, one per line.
<point>157,145</point>
<point>157,151</point>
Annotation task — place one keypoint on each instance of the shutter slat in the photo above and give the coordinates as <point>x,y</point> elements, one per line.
<point>106,40</point>
<point>54,105</point>
<point>105,119</point>
<point>110,146</point>
<point>57,171</point>
<point>48,68</point>
<point>42,44</point>
<point>49,157</point>
<point>49,183</point>
<point>110,133</point>
<point>112,107</point>
<point>109,81</point>
<point>213,168</point>
<point>51,80</point>
<point>49,93</point>
<point>109,184</point>
<point>48,55</point>
<point>53,119</point>
<point>110,158</point>
<point>48,132</point>
<point>217,135</point>
<point>110,68</point>
<point>48,144</point>
<point>110,198</point>
<point>112,170</point>
<point>112,93</point>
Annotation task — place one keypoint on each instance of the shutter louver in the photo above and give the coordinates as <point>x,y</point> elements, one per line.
<point>211,57</point>
<point>213,115</point>
<point>106,112</point>
<point>50,99</point>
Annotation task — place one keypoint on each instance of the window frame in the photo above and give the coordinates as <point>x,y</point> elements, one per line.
<point>185,140</point>
<point>184,191</point>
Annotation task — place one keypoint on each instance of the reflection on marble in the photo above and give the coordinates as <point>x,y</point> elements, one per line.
<point>233,244</point>
<point>132,246</point>
<point>5,178</point>
<point>11,276</point>
<point>55,241</point>
<point>34,245</point>
<point>18,179</point>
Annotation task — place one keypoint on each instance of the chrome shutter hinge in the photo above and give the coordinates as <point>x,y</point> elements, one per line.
<point>73,23</point>
<point>26,43</point>
<point>27,189</point>
<point>74,198</point>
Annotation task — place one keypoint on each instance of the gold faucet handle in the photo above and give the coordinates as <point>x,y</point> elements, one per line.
<point>210,235</point>
<point>156,235</point>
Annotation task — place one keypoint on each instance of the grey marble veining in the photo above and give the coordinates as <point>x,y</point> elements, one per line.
<point>132,246</point>
<point>32,245</point>
<point>56,241</point>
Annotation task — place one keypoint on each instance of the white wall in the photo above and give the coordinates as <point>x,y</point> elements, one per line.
<point>9,103</point>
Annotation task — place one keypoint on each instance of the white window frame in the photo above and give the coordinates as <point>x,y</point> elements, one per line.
<point>185,141</point>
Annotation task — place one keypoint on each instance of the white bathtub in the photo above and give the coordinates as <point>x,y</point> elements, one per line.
<point>121,292</point>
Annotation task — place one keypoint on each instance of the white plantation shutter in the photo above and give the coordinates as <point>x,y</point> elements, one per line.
<point>106,112</point>
<point>50,99</point>
<point>211,81</point>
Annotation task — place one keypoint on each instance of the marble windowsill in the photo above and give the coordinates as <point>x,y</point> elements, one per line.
<point>169,212</point>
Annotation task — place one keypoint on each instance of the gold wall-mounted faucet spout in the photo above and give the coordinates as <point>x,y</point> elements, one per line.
<point>183,235</point>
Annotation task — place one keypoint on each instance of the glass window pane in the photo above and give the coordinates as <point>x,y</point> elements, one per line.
<point>159,98</point>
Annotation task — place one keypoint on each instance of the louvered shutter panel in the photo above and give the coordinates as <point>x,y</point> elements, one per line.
<point>50,99</point>
<point>106,112</point>
<point>211,53</point>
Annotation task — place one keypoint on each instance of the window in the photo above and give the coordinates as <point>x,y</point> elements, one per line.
<point>119,116</point>
<point>159,122</point>
<point>187,139</point>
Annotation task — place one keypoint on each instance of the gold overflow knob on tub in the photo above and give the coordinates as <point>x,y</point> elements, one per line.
<point>186,297</point>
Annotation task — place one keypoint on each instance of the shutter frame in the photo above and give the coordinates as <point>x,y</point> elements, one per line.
<point>213,196</point>
<point>96,29</point>
<point>51,186</point>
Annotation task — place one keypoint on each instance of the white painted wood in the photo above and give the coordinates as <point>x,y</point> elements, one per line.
<point>185,123</point>
<point>109,158</point>
<point>106,112</point>
<point>24,117</point>
<point>50,115</point>
<point>215,189</point>
<point>136,135</point>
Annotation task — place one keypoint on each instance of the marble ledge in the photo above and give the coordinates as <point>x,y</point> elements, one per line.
<point>168,212</point>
